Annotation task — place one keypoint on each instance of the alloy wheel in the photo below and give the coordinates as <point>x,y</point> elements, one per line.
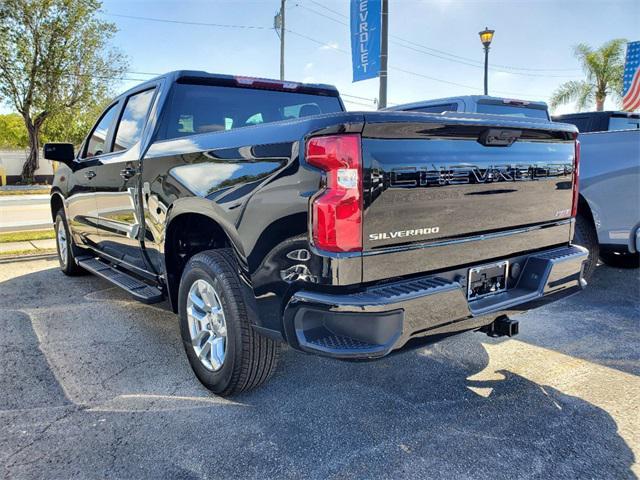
<point>61,237</point>
<point>207,325</point>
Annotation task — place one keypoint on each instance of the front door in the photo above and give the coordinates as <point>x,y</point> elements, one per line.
<point>82,211</point>
<point>117,183</point>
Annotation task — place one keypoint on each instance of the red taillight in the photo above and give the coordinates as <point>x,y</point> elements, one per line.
<point>336,213</point>
<point>576,177</point>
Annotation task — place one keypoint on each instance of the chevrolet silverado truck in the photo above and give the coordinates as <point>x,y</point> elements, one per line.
<point>608,221</point>
<point>262,212</point>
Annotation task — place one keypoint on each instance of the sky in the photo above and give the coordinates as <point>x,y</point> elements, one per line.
<point>434,47</point>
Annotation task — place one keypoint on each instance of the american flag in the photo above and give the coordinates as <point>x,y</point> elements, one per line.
<point>631,78</point>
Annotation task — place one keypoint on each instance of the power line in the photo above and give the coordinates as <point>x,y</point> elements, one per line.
<point>183,22</point>
<point>357,97</point>
<point>314,40</point>
<point>319,42</point>
<point>441,52</point>
<point>356,103</point>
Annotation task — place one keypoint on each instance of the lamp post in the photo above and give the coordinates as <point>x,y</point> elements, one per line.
<point>485,37</point>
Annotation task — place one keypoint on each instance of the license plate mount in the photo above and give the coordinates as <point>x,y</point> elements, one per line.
<point>487,280</point>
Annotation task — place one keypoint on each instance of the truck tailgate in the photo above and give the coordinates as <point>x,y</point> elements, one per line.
<point>436,180</point>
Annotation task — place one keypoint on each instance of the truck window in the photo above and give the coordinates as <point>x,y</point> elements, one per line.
<point>512,110</point>
<point>133,119</point>
<point>624,123</point>
<point>98,138</point>
<point>583,123</point>
<point>198,108</point>
<point>446,107</point>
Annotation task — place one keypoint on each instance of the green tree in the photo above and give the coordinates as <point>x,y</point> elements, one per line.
<point>603,70</point>
<point>54,57</point>
<point>72,125</point>
<point>13,133</point>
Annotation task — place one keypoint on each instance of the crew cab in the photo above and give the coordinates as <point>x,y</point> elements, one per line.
<point>263,213</point>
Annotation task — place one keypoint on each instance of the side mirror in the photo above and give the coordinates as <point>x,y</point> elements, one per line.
<point>59,152</point>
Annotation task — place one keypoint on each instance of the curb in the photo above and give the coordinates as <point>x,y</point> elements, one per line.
<point>24,227</point>
<point>24,199</point>
<point>26,257</point>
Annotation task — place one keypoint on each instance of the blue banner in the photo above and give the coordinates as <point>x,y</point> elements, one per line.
<point>366,17</point>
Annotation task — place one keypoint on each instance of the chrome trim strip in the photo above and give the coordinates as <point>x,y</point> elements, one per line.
<point>457,241</point>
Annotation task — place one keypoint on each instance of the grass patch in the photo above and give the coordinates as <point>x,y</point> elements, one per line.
<point>26,236</point>
<point>22,253</point>
<point>34,191</point>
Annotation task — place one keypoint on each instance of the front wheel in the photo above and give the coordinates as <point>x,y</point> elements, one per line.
<point>226,354</point>
<point>65,247</point>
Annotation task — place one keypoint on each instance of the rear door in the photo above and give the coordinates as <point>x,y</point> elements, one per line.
<point>117,184</point>
<point>82,210</point>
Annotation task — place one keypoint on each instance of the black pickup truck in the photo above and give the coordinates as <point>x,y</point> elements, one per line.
<point>263,213</point>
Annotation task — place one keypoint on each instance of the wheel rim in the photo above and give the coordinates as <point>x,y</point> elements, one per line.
<point>62,243</point>
<point>207,325</point>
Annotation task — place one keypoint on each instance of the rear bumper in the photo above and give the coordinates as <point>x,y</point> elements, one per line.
<point>372,322</point>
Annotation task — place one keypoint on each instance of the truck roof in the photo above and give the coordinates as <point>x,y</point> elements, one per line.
<point>588,122</point>
<point>239,80</point>
<point>606,113</point>
<point>464,98</point>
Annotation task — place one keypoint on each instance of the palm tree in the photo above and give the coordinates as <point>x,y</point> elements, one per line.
<point>603,69</point>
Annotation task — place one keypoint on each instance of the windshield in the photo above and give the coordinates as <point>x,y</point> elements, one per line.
<point>512,110</point>
<point>197,109</point>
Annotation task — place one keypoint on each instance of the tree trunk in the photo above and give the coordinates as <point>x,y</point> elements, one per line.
<point>32,163</point>
<point>599,104</point>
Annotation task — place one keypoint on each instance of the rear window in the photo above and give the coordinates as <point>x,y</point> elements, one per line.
<point>512,110</point>
<point>197,109</point>
<point>584,124</point>
<point>624,123</point>
<point>448,107</point>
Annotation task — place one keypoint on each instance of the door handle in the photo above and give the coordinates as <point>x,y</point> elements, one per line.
<point>128,172</point>
<point>90,174</point>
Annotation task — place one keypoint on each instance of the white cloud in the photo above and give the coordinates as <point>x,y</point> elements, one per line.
<point>330,46</point>
<point>137,106</point>
<point>127,133</point>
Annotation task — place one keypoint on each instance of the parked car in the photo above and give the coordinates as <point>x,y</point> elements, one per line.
<point>608,221</point>
<point>264,213</point>
<point>479,104</point>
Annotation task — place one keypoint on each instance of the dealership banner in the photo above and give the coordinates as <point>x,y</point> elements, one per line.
<point>365,38</point>
<point>631,78</point>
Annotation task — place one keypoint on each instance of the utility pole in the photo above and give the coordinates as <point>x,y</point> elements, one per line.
<point>282,29</point>
<point>384,49</point>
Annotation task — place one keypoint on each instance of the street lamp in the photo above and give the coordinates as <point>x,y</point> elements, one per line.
<point>485,37</point>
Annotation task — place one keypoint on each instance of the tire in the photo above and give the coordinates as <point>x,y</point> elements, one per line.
<point>621,260</point>
<point>585,236</point>
<point>65,247</point>
<point>248,359</point>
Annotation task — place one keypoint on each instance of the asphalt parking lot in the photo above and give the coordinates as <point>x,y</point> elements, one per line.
<point>95,385</point>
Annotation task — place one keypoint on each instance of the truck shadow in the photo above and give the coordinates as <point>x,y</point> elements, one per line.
<point>462,407</point>
<point>600,324</point>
